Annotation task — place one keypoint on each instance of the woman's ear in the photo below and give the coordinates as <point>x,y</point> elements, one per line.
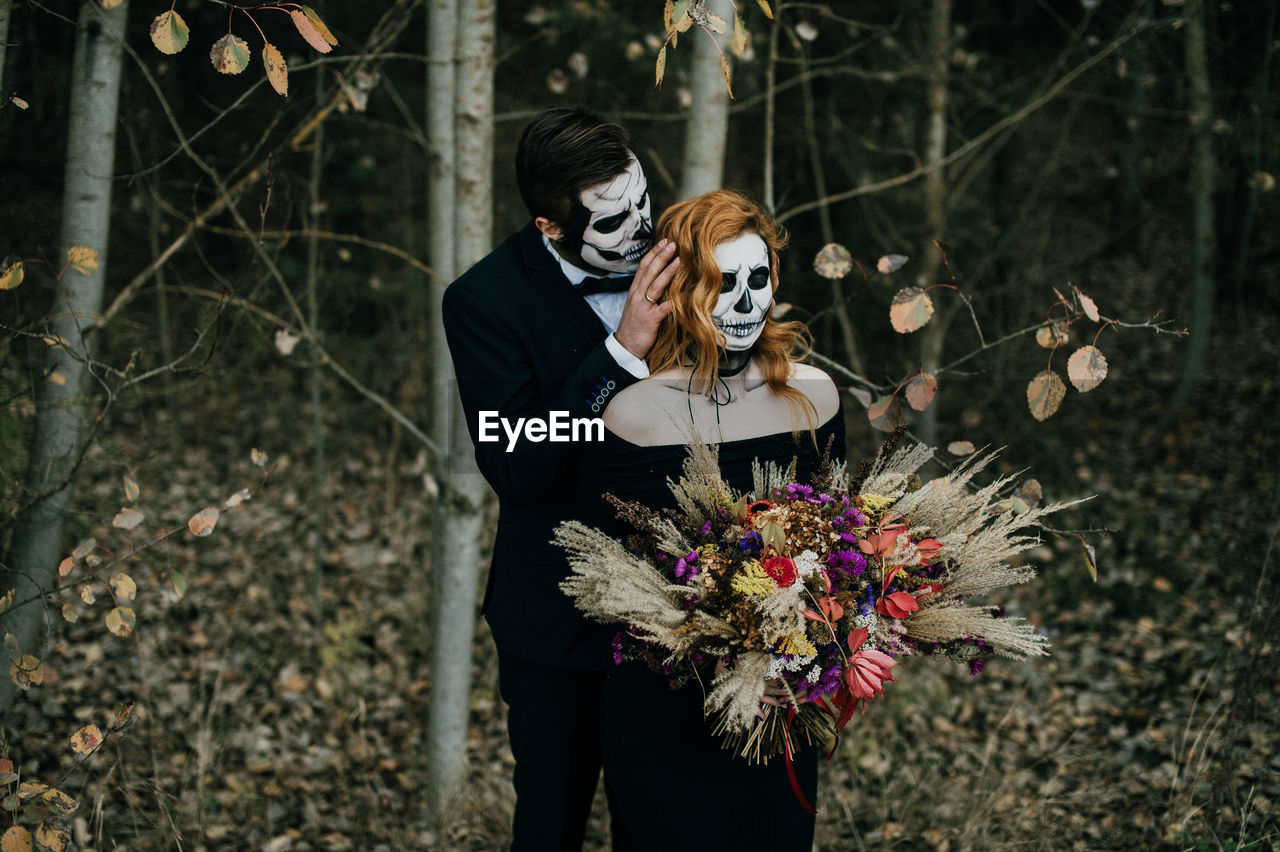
<point>549,229</point>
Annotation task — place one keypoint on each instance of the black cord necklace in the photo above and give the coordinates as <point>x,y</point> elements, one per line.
<point>715,395</point>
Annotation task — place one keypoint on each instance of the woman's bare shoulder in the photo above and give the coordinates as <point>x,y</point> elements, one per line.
<point>818,387</point>
<point>641,413</point>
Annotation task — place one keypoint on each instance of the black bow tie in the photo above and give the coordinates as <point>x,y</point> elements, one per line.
<point>590,286</point>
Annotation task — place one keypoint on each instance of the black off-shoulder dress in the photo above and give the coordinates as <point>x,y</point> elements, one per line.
<point>672,786</point>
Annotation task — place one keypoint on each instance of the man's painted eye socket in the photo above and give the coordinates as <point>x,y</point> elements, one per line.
<point>609,224</point>
<point>759,278</point>
<point>644,200</point>
<point>727,282</point>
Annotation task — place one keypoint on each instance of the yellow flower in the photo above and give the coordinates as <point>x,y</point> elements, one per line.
<point>797,643</point>
<point>876,502</point>
<point>753,582</point>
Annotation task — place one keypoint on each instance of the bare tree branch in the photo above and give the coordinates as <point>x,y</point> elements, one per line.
<point>979,140</point>
<point>384,34</point>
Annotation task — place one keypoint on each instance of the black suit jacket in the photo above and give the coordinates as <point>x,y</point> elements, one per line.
<point>525,344</point>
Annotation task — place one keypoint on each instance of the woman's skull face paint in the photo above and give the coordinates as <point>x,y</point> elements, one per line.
<point>746,290</point>
<point>616,228</point>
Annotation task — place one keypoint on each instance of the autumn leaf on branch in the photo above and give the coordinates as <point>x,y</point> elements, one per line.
<point>127,519</point>
<point>16,839</point>
<point>27,671</point>
<point>911,310</point>
<point>1044,394</point>
<point>46,796</point>
<point>1087,305</point>
<point>123,587</point>
<point>86,740</point>
<point>82,259</point>
<point>277,71</point>
<point>202,523</point>
<point>1087,368</point>
<point>833,261</point>
<point>54,834</point>
<point>921,390</point>
<point>885,413</point>
<point>229,54</point>
<point>121,620</point>
<point>891,263</point>
<point>169,33</point>
<point>312,29</point>
<point>1053,335</point>
<point>10,273</point>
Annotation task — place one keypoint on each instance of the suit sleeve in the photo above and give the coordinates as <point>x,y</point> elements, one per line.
<point>495,374</point>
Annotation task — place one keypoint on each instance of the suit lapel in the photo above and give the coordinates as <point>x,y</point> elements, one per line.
<point>549,281</point>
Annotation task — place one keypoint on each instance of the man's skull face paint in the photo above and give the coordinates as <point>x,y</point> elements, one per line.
<point>615,219</point>
<point>746,290</point>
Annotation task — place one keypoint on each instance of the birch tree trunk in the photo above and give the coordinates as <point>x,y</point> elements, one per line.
<point>935,194</point>
<point>1203,246</point>
<point>456,572</point>
<point>37,542</point>
<point>442,16</point>
<point>708,128</point>
<point>1136,101</point>
<point>6,13</point>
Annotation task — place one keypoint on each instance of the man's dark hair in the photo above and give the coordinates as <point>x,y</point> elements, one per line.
<point>562,152</point>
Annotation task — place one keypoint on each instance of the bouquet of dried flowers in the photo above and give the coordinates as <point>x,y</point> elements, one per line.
<point>795,601</point>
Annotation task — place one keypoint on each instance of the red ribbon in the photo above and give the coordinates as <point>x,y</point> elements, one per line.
<point>791,770</point>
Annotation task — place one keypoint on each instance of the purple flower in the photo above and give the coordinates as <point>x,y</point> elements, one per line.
<point>849,562</point>
<point>975,666</point>
<point>617,648</point>
<point>796,491</point>
<point>706,528</point>
<point>751,542</point>
<point>685,567</point>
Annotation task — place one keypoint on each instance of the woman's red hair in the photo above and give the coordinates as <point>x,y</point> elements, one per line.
<point>687,336</point>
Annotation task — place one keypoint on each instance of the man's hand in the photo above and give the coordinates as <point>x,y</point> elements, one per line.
<point>644,309</point>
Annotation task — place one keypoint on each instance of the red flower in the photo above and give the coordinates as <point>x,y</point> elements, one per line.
<point>897,605</point>
<point>781,569</point>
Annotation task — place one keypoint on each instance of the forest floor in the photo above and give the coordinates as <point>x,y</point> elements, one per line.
<point>281,708</point>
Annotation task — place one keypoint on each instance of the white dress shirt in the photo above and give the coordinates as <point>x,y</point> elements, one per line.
<point>607,306</point>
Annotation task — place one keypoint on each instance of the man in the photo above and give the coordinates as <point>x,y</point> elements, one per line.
<point>547,323</point>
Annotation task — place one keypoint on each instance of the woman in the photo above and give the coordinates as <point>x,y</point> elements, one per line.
<point>723,371</point>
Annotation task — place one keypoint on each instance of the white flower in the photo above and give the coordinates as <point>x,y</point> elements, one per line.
<point>806,563</point>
